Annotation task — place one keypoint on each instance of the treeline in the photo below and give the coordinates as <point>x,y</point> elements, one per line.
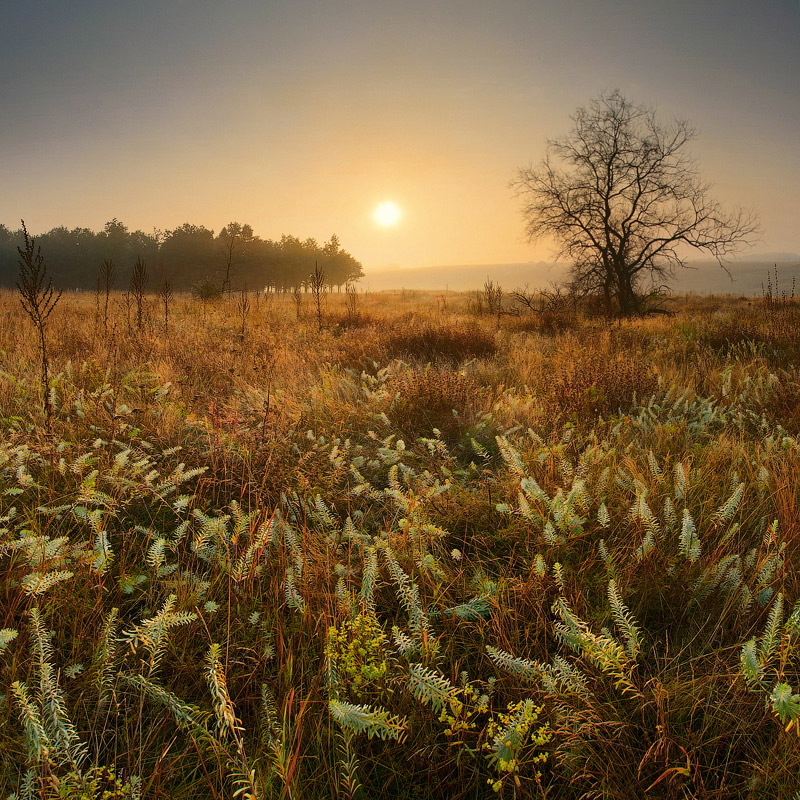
<point>190,257</point>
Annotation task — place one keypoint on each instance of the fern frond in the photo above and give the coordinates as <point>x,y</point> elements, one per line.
<point>670,518</point>
<point>604,652</point>
<point>323,515</point>
<point>405,645</point>
<point>349,784</point>
<point>37,583</point>
<point>430,687</point>
<point>476,608</point>
<point>368,579</point>
<point>786,705</point>
<point>268,720</point>
<point>103,554</point>
<point>726,511</point>
<point>569,676</point>
<point>61,731</point>
<point>625,621</point>
<point>771,636</point>
<point>408,594</point>
<point>217,683</point>
<point>792,625</point>
<point>36,740</point>
<point>679,472</point>
<point>154,633</point>
<point>366,719</point>
<point>102,664</point>
<point>688,542</point>
<point>511,457</point>
<point>763,482</point>
<point>539,565</point>
<point>293,598</point>
<point>750,664</point>
<point>655,470</point>
<point>558,575</point>
<point>243,569</point>
<point>529,670</point>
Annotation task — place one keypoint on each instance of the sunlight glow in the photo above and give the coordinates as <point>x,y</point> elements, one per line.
<point>387,214</point>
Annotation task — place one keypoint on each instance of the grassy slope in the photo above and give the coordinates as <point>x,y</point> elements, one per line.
<point>542,546</point>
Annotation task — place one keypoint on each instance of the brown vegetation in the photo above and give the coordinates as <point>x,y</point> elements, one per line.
<point>244,559</point>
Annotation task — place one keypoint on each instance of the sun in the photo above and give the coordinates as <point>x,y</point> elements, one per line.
<point>387,214</point>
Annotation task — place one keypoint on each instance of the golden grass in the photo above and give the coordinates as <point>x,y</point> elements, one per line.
<point>568,456</point>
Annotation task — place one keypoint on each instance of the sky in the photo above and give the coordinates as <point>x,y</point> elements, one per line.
<point>302,116</point>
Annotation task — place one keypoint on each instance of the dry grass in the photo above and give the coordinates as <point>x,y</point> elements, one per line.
<point>326,495</point>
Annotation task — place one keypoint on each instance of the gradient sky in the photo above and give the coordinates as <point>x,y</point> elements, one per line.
<point>300,116</point>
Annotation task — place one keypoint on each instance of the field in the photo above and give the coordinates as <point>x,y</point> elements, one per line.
<point>401,548</point>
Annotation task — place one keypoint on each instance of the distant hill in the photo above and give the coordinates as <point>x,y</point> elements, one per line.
<point>747,276</point>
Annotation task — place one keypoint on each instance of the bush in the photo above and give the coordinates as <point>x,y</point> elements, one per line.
<point>207,289</point>
<point>434,399</point>
<point>592,387</point>
<point>440,343</point>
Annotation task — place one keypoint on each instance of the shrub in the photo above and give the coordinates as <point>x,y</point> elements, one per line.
<point>207,289</point>
<point>440,343</point>
<point>589,387</point>
<point>434,399</point>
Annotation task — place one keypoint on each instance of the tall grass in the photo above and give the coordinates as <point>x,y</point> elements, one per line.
<point>261,554</point>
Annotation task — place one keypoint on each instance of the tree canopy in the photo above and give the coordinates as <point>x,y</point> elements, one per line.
<point>624,201</point>
<point>186,255</point>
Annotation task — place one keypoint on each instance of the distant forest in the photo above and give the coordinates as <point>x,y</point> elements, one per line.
<point>190,256</point>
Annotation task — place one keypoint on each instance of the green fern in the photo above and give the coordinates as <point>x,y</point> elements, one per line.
<point>601,650</point>
<point>36,740</point>
<point>750,664</point>
<point>366,719</point>
<point>36,584</point>
<point>679,471</point>
<point>431,687</point>
<point>408,594</point>
<point>294,599</point>
<point>368,579</point>
<point>772,631</point>
<point>786,705</point>
<point>625,621</point>
<point>529,670</point>
<point>689,542</point>
<point>104,655</point>
<point>511,457</point>
<point>726,511</point>
<point>349,783</point>
<point>155,633</point>
<point>217,683</point>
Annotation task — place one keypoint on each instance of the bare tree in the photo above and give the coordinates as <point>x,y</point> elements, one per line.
<point>351,303</point>
<point>138,287</point>
<point>165,296</point>
<point>243,307</point>
<point>106,278</point>
<point>493,294</point>
<point>38,299</point>
<point>317,280</point>
<point>298,300</point>
<point>625,202</point>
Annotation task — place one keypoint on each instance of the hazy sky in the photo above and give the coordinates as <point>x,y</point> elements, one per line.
<point>300,116</point>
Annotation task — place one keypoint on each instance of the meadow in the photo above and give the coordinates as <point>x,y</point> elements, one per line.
<point>399,547</point>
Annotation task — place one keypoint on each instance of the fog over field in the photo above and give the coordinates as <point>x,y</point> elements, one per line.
<point>747,276</point>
